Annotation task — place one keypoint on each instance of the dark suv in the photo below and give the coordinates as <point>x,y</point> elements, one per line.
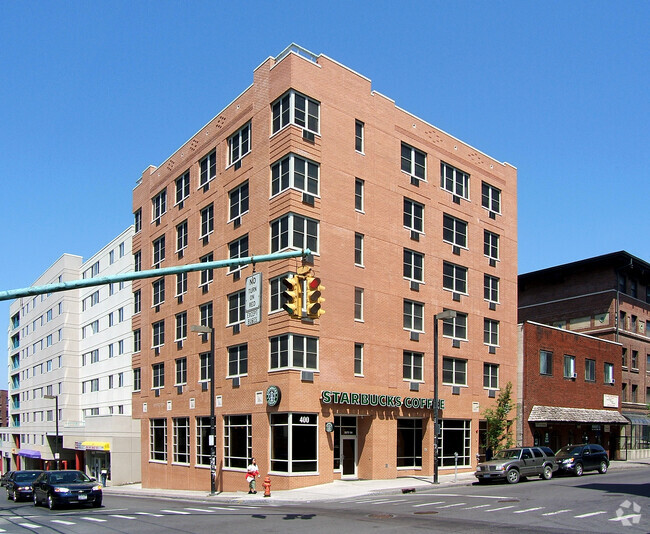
<point>577,459</point>
<point>516,463</point>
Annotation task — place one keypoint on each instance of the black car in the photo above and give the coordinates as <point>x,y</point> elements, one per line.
<point>66,487</point>
<point>577,459</point>
<point>19,484</point>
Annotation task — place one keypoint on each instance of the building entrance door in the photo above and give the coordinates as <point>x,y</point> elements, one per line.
<point>348,457</point>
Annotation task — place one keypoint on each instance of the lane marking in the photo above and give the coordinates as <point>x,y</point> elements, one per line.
<point>179,512</point>
<point>149,514</point>
<point>204,510</point>
<point>497,509</point>
<point>477,506</point>
<point>29,525</point>
<point>557,512</point>
<point>589,514</point>
<point>452,505</point>
<point>629,516</point>
<point>62,522</point>
<point>528,510</point>
<point>122,516</point>
<point>222,508</point>
<point>427,504</point>
<point>95,519</point>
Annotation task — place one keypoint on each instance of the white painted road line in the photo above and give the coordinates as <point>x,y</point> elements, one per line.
<point>149,514</point>
<point>497,509</point>
<point>427,504</point>
<point>452,505</point>
<point>204,510</point>
<point>222,508</point>
<point>122,516</point>
<point>29,525</point>
<point>557,512</point>
<point>589,514</point>
<point>477,506</point>
<point>95,519</point>
<point>62,522</point>
<point>179,512</point>
<point>528,510</point>
<point>623,517</point>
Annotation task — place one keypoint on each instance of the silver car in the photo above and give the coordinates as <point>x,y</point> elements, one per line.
<point>516,463</point>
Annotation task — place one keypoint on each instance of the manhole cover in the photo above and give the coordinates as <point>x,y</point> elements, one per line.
<point>424,513</point>
<point>381,516</point>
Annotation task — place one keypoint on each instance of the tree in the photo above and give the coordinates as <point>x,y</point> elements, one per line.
<point>498,426</point>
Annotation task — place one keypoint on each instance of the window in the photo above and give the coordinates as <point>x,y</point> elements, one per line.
<point>295,172</point>
<point>358,304</point>
<point>137,261</point>
<point>412,366</point>
<point>158,334</point>
<point>635,390</point>
<point>454,180</point>
<point>624,357</point>
<point>137,379</point>
<point>207,220</point>
<point>608,373</point>
<point>491,245</point>
<point>158,375</point>
<point>455,437</point>
<point>181,326</point>
<point>491,332</point>
<point>181,435</point>
<point>203,448</point>
<point>358,359</point>
<point>294,443</point>
<point>208,168</point>
<point>358,249</point>
<point>238,249</point>
<point>237,441</point>
<point>569,366</point>
<point>294,108</point>
<point>294,231</point>
<point>181,371</point>
<point>207,275</point>
<point>137,221</point>
<point>490,198</point>
<point>455,327</point>
<point>414,162</point>
<point>94,356</point>
<point>413,215</point>
<point>454,371</point>
<point>181,236</point>
<point>545,362</point>
<point>181,284</point>
<point>111,257</point>
<point>238,360</point>
<point>491,288</point>
<point>204,367</point>
<point>635,360</point>
<point>206,314</point>
<point>239,144</point>
<point>137,340</point>
<point>490,376</point>
<point>158,440</point>
<point>358,194</point>
<point>159,250</point>
<point>239,201</point>
<point>236,307</point>
<point>294,351</point>
<point>158,288</point>
<point>590,370</point>
<point>159,205</point>
<point>182,187</point>
<point>409,443</point>
<point>358,136</point>
<point>454,231</point>
<point>413,266</point>
<point>413,316</point>
<point>454,277</point>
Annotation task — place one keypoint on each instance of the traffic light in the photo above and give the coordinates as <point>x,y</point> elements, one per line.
<point>314,298</point>
<point>292,295</point>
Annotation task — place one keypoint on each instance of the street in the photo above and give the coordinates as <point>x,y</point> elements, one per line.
<point>616,502</point>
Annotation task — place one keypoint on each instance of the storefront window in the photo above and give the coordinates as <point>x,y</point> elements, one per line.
<point>409,443</point>
<point>158,440</point>
<point>455,436</point>
<point>202,441</point>
<point>294,442</point>
<point>182,440</point>
<point>238,441</point>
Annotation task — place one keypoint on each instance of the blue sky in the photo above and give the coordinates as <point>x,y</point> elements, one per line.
<point>94,92</point>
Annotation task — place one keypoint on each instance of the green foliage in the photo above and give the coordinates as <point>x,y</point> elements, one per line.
<point>498,425</point>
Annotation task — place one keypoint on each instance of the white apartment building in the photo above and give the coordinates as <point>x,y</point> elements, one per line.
<point>72,349</point>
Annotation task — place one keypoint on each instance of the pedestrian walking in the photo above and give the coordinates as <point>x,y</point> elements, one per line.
<point>252,472</point>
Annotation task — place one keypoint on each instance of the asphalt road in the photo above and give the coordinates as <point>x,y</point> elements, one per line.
<point>615,502</point>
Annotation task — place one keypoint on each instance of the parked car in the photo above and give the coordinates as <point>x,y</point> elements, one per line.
<point>5,477</point>
<point>517,462</point>
<point>577,459</point>
<point>19,485</point>
<point>66,487</point>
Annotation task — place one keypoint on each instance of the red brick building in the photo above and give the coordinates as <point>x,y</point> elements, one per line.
<point>606,297</point>
<point>404,220</point>
<point>569,390</point>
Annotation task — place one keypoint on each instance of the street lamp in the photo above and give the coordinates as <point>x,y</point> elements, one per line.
<point>201,329</point>
<point>447,314</point>
<point>56,418</point>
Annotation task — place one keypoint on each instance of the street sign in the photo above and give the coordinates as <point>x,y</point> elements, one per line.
<point>253,299</point>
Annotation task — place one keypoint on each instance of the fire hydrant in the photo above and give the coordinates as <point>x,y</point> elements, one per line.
<point>267,486</point>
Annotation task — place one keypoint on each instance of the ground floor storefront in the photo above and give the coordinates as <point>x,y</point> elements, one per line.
<point>338,435</point>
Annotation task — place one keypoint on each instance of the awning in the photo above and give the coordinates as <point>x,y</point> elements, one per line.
<point>638,419</point>
<point>28,453</point>
<point>96,445</point>
<point>557,414</point>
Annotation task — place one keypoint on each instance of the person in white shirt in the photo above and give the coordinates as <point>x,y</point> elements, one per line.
<point>252,472</point>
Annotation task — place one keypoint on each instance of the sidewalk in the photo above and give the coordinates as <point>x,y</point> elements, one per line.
<point>339,489</point>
